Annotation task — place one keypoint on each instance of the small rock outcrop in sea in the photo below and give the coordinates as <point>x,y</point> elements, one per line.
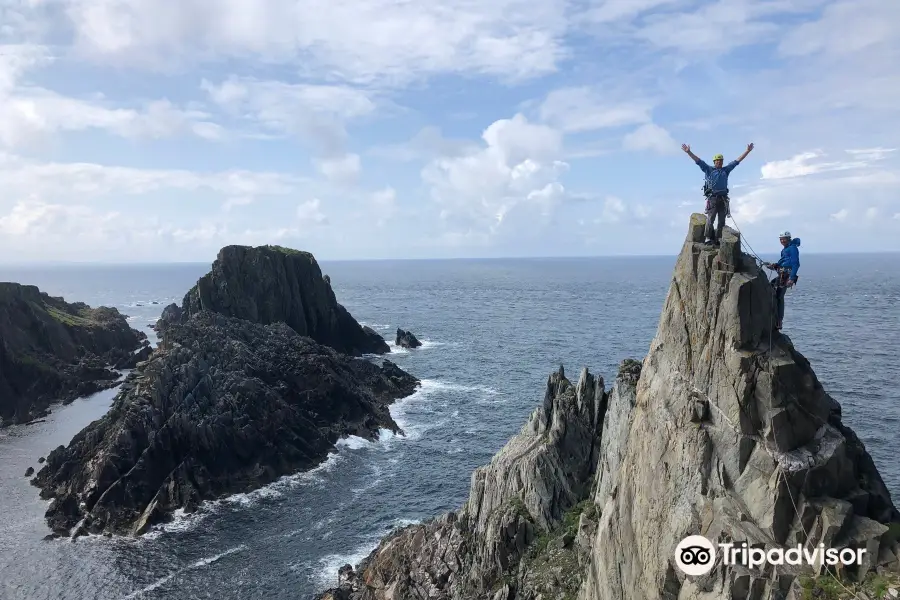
<point>723,431</point>
<point>406,339</point>
<point>223,405</point>
<point>51,350</point>
<point>271,284</point>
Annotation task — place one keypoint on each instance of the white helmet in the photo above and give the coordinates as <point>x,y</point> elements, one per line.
<point>785,234</point>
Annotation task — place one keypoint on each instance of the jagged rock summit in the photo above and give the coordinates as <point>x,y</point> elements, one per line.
<point>723,431</point>
<point>272,284</point>
<point>224,404</point>
<point>406,339</point>
<point>52,350</point>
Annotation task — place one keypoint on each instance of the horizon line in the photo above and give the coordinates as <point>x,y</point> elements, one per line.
<point>52,263</point>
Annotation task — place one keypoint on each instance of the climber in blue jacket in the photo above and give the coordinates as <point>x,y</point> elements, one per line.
<point>787,267</point>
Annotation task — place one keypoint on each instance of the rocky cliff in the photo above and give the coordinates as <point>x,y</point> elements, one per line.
<point>723,431</point>
<point>271,284</point>
<point>224,404</point>
<point>52,351</point>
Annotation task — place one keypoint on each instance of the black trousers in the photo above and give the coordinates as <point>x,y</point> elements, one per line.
<point>716,210</point>
<point>780,290</point>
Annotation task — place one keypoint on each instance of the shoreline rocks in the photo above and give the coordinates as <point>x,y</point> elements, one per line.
<point>54,351</point>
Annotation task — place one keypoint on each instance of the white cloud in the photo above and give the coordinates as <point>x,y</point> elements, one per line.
<point>384,204</point>
<point>613,210</point>
<point>37,219</point>
<point>858,24</point>
<point>800,166</point>
<point>610,11</point>
<point>872,213</point>
<point>317,112</point>
<point>717,27</point>
<point>18,176</point>
<point>840,215</point>
<point>871,154</point>
<point>585,109</point>
<point>309,213</point>
<point>31,113</point>
<point>517,165</point>
<point>237,201</point>
<point>652,137</point>
<point>358,40</point>
<point>345,169</point>
<point>428,143</point>
<point>757,206</point>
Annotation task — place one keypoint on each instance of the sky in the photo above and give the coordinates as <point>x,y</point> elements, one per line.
<point>162,130</point>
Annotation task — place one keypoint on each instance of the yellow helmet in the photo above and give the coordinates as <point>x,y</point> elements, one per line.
<point>718,157</point>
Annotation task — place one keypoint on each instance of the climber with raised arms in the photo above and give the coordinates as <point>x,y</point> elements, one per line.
<point>715,188</point>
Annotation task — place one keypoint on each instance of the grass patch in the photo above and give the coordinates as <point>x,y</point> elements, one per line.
<point>69,319</point>
<point>823,587</point>
<point>573,515</point>
<point>289,251</point>
<point>828,587</point>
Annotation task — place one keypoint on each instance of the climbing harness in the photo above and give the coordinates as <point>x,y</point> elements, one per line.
<point>708,193</point>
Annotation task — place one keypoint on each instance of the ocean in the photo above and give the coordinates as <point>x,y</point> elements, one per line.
<point>493,330</point>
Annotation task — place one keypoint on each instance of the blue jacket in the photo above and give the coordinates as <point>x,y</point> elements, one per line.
<point>790,257</point>
<point>717,179</point>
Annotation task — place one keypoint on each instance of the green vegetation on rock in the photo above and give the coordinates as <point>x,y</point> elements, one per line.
<point>829,587</point>
<point>289,251</point>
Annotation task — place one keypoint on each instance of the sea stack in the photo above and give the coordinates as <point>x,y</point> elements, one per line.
<point>406,339</point>
<point>233,398</point>
<point>52,351</point>
<point>722,431</point>
<point>272,284</point>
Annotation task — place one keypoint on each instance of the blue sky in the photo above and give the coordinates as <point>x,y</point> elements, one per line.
<point>140,130</point>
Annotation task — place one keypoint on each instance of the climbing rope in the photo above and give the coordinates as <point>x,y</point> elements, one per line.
<point>747,242</point>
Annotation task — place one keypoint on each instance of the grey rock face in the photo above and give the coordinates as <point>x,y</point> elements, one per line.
<point>271,284</point>
<point>764,459</point>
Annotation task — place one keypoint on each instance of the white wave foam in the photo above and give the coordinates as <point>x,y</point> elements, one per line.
<point>415,428</point>
<point>426,344</point>
<point>353,442</point>
<point>208,561</point>
<point>375,325</point>
<point>182,521</point>
<point>434,385</point>
<point>395,349</point>
<point>326,568</point>
<point>195,565</point>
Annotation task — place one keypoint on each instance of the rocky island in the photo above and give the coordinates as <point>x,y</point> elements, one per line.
<point>252,380</point>
<point>406,339</point>
<point>722,431</point>
<point>52,351</point>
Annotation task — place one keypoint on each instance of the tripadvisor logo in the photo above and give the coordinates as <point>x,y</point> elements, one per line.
<point>695,555</point>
